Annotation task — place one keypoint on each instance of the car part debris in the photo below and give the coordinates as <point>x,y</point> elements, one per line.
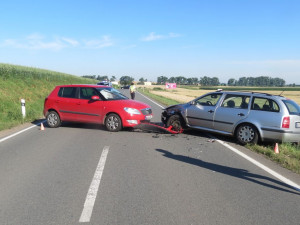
<point>152,127</point>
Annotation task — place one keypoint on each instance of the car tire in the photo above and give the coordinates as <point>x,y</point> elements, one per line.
<point>113,122</point>
<point>176,122</point>
<point>53,119</point>
<point>247,134</point>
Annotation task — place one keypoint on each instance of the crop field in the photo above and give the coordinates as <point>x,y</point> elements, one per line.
<point>186,94</point>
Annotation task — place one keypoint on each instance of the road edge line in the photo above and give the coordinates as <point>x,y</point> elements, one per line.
<point>151,100</point>
<point>21,131</point>
<point>260,165</point>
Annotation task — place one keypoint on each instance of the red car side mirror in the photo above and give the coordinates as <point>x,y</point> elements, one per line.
<point>95,98</point>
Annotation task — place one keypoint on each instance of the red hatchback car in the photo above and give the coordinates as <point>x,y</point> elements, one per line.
<point>94,104</point>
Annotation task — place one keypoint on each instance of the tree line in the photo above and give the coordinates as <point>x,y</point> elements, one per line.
<point>100,78</point>
<point>262,81</point>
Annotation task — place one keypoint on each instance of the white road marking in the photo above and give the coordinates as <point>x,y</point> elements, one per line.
<point>151,100</point>
<point>93,190</point>
<point>265,168</point>
<point>15,134</point>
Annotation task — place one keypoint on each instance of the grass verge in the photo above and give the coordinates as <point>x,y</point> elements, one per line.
<point>159,99</point>
<point>288,157</point>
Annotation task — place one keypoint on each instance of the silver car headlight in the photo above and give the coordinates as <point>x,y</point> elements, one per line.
<point>132,111</point>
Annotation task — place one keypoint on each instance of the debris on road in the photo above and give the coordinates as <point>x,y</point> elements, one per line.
<point>152,127</point>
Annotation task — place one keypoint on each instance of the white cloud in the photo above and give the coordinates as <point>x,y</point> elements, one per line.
<point>37,41</point>
<point>154,37</point>
<point>70,41</point>
<point>105,41</point>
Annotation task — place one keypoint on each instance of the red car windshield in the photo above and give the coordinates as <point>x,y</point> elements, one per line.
<point>111,94</point>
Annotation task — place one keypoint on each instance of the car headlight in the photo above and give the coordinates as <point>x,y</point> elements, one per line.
<point>132,111</point>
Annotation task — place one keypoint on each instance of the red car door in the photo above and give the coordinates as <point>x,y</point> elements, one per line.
<point>89,110</point>
<point>66,103</point>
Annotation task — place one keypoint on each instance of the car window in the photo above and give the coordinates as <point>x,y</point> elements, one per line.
<point>67,92</point>
<point>208,100</point>
<point>87,93</point>
<point>264,104</point>
<point>111,94</point>
<point>292,106</point>
<point>236,101</point>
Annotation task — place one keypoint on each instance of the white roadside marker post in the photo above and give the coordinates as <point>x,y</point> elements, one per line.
<point>23,107</point>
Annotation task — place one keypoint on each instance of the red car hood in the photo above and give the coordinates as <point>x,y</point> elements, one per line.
<point>132,104</point>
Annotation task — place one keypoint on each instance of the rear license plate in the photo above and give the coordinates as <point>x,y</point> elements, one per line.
<point>298,125</point>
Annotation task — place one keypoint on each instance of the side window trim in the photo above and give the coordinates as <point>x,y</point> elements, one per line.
<point>203,97</point>
<point>234,102</point>
<point>264,107</point>
<point>62,90</point>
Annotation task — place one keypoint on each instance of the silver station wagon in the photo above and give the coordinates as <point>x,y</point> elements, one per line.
<point>249,116</point>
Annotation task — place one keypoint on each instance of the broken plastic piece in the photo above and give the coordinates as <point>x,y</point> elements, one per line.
<point>156,128</point>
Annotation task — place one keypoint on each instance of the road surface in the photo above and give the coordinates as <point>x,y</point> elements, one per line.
<point>83,174</point>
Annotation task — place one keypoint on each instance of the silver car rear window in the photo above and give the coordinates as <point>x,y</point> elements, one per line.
<point>292,106</point>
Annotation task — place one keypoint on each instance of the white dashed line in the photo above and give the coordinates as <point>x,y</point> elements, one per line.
<point>93,190</point>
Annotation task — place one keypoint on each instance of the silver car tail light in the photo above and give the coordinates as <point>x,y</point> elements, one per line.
<point>286,122</point>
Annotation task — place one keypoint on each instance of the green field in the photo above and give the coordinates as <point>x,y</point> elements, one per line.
<point>31,84</point>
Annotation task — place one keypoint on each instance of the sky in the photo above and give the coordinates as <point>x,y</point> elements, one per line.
<point>152,38</point>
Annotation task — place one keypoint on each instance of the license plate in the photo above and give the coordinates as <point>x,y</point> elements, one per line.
<point>148,117</point>
<point>298,125</point>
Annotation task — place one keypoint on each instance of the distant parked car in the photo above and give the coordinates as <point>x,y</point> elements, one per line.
<point>248,116</point>
<point>94,104</point>
<point>105,83</point>
<point>125,87</point>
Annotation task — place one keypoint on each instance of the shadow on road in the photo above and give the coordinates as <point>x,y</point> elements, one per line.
<point>235,172</point>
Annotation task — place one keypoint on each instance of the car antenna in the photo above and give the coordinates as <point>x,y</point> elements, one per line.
<point>281,92</point>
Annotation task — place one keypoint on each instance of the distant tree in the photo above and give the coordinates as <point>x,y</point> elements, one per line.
<point>90,76</point>
<point>126,80</point>
<point>142,80</point>
<point>172,80</point>
<point>204,81</point>
<point>242,81</point>
<point>162,80</point>
<point>189,81</point>
<point>180,80</point>
<point>102,78</point>
<point>231,82</point>
<point>113,78</point>
<point>214,81</point>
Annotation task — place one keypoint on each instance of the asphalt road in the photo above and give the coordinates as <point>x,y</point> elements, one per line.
<point>80,173</point>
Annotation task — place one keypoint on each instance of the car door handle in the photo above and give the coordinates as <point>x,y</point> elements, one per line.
<point>57,101</point>
<point>211,111</point>
<point>78,103</point>
<point>241,114</point>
